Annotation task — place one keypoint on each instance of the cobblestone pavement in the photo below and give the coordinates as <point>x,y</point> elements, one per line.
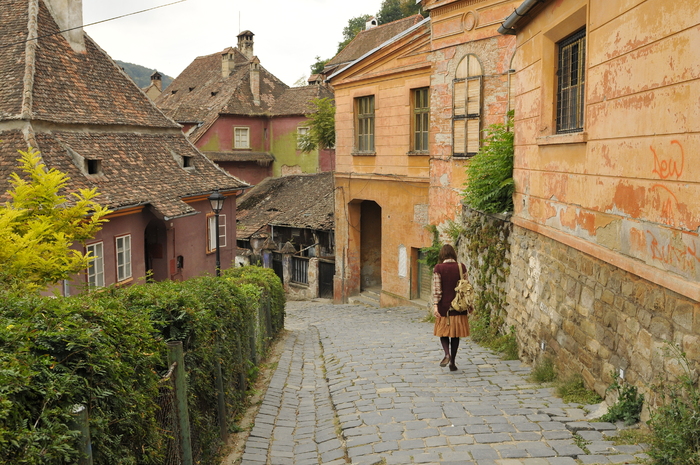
<point>363,385</point>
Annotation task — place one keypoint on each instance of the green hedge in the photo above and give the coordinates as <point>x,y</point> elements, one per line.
<point>107,350</point>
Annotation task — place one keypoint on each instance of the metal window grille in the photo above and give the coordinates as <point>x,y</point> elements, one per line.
<point>300,270</point>
<point>365,124</point>
<point>421,112</point>
<point>571,79</point>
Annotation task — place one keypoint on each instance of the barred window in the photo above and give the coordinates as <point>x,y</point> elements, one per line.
<point>571,80</point>
<point>364,110</point>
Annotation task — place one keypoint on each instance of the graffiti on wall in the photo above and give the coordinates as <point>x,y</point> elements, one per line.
<point>670,166</point>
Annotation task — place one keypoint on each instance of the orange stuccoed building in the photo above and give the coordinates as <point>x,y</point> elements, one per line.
<point>411,112</point>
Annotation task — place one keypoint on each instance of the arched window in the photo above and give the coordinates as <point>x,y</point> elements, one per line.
<point>466,107</point>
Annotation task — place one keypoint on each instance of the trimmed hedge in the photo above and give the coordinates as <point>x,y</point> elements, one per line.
<point>106,350</point>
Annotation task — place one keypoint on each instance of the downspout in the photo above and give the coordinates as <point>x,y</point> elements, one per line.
<point>508,26</point>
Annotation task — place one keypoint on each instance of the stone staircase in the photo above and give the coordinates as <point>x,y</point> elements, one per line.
<point>369,297</point>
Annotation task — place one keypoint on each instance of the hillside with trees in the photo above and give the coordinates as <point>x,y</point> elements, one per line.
<point>142,75</point>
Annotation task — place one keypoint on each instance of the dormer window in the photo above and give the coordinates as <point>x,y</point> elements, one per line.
<point>187,162</point>
<point>191,89</point>
<point>174,92</point>
<point>213,94</point>
<point>93,166</point>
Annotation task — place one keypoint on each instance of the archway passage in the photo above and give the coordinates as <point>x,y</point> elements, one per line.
<point>155,249</point>
<point>370,245</point>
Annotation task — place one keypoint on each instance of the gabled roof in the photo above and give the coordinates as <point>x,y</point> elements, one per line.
<point>77,106</point>
<point>367,40</point>
<point>200,93</point>
<point>303,201</point>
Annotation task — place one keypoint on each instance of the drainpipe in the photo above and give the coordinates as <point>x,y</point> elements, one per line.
<point>508,26</point>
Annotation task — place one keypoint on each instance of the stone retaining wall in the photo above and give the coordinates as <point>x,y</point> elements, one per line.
<point>593,317</point>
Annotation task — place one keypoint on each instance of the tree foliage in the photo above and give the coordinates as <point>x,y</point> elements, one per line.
<point>321,133</point>
<point>489,186</point>
<point>39,226</point>
<point>391,10</point>
<point>318,66</point>
<point>354,27</point>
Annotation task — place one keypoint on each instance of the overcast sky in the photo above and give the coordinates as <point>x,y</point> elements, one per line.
<point>289,34</point>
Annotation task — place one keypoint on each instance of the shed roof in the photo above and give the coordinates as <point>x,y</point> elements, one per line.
<point>299,201</point>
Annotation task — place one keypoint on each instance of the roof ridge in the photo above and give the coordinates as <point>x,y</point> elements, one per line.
<point>30,58</point>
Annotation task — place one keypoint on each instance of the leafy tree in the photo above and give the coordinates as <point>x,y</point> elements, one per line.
<point>489,186</point>
<point>318,66</point>
<point>354,27</point>
<point>391,10</point>
<point>321,127</point>
<point>39,226</point>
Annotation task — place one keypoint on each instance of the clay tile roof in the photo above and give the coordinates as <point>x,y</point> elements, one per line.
<point>64,86</point>
<point>367,40</point>
<point>103,116</point>
<point>200,93</point>
<point>299,201</point>
<point>296,100</point>
<point>260,157</point>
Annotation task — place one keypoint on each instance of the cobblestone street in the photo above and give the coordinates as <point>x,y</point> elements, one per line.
<point>362,385</point>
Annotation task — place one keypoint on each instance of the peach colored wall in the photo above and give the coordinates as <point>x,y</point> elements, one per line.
<point>396,181</point>
<point>627,186</point>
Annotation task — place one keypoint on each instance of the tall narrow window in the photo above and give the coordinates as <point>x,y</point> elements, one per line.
<point>241,138</point>
<point>364,109</point>
<point>301,132</point>
<point>96,270</point>
<point>466,109</point>
<point>123,257</point>
<point>421,119</point>
<point>571,80</point>
<point>211,232</point>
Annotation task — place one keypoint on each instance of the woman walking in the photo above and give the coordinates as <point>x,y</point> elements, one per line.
<point>449,327</point>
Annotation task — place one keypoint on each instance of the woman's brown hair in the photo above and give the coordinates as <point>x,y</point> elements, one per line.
<point>447,252</point>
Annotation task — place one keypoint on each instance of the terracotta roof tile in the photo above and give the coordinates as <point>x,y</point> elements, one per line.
<point>298,201</point>
<point>296,100</point>
<point>261,157</point>
<point>102,116</point>
<point>369,39</point>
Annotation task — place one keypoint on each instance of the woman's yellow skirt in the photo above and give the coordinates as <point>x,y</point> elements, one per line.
<point>458,326</point>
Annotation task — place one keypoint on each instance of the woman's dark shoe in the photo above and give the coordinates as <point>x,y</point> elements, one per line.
<point>453,367</point>
<point>445,361</point>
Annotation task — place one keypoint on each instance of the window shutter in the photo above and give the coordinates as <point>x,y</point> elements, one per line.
<point>459,130</point>
<point>472,136</point>
<point>474,96</point>
<point>460,98</point>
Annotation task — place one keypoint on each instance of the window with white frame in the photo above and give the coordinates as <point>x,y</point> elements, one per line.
<point>211,228</point>
<point>241,138</point>
<point>123,244</point>
<point>96,270</point>
<point>301,133</point>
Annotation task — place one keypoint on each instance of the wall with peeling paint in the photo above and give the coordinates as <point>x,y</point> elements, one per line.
<point>627,186</point>
<point>381,199</point>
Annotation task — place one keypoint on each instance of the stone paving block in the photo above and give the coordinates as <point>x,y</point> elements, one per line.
<point>557,435</point>
<point>332,455</point>
<point>360,440</point>
<point>535,461</point>
<point>329,445</point>
<point>526,436</point>
<point>561,461</point>
<point>410,444</point>
<point>591,435</point>
<point>392,436</point>
<point>479,452</point>
<point>252,458</point>
<point>593,459</point>
<point>491,438</point>
<point>360,450</point>
<point>600,447</point>
<point>477,429</point>
<point>421,433</point>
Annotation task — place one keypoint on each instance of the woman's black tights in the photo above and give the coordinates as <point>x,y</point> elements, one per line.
<point>450,346</point>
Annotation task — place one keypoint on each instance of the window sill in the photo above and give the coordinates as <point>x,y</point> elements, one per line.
<point>556,139</point>
<point>299,285</point>
<point>422,153</point>
<point>124,282</point>
<point>364,154</point>
<point>463,157</point>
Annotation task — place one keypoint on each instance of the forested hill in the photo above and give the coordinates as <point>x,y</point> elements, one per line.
<point>142,75</point>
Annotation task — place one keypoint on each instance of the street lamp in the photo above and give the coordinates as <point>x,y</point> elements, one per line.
<point>216,199</point>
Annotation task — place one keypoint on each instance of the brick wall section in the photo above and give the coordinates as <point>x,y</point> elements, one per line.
<point>594,317</point>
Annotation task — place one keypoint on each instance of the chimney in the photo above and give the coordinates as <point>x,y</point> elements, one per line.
<point>156,80</point>
<point>245,44</point>
<point>227,62</point>
<point>255,80</point>
<point>372,22</point>
<point>68,14</point>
